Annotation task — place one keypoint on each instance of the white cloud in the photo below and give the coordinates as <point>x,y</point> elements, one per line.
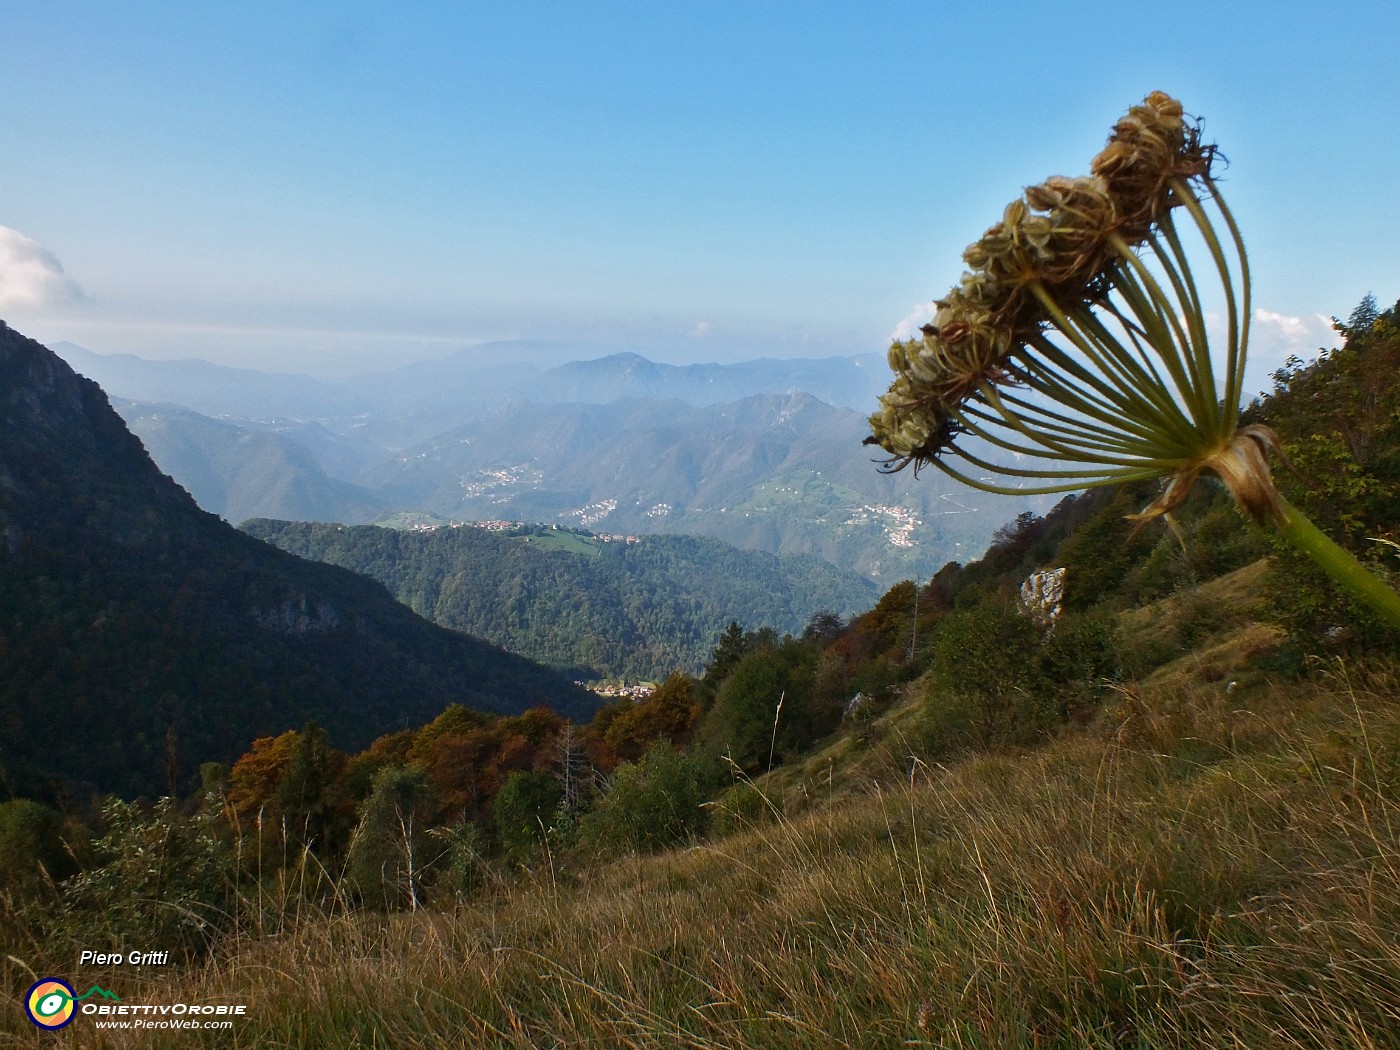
<point>1302,333</point>
<point>31,277</point>
<point>917,317</point>
<point>703,328</point>
<point>1275,337</point>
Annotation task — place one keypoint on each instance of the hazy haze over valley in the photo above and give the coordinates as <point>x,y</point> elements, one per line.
<point>764,454</point>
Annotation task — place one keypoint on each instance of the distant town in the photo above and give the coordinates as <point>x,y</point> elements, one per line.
<point>615,691</point>
<point>424,525</point>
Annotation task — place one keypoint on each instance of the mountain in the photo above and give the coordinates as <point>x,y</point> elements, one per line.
<point>781,473</point>
<point>214,390</point>
<point>407,404</point>
<point>850,382</point>
<point>240,473</point>
<point>763,454</point>
<point>140,635</point>
<point>637,610</point>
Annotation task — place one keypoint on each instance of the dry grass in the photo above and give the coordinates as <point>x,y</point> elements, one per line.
<point>1200,868</point>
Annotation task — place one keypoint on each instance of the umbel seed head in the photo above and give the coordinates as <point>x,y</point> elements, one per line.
<point>1056,236</point>
<point>1076,335</point>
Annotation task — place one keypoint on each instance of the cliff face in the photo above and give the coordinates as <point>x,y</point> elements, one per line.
<point>140,636</point>
<point>66,453</point>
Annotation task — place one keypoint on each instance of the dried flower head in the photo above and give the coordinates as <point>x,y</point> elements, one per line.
<point>1077,337</point>
<point>1063,340</point>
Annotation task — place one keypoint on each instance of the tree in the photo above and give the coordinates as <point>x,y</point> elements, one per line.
<point>572,764</point>
<point>824,627</point>
<point>288,789</point>
<point>253,781</point>
<point>31,845</point>
<point>303,793</point>
<point>388,851</point>
<point>670,713</point>
<point>1363,316</point>
<point>730,649</point>
<point>767,708</point>
<point>525,810</point>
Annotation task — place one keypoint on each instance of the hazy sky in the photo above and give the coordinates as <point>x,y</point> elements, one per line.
<point>318,185</point>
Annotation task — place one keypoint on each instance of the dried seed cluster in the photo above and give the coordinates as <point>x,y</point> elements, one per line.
<point>1057,241</point>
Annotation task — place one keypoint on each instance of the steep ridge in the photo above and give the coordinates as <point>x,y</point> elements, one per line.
<point>140,635</point>
<point>240,473</point>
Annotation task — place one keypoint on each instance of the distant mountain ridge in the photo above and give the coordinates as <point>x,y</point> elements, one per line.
<point>848,382</point>
<point>618,442</point>
<point>782,473</point>
<point>466,381</point>
<point>213,390</point>
<point>139,634</point>
<point>238,473</point>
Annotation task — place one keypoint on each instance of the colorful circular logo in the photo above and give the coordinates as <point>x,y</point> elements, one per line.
<point>49,1003</point>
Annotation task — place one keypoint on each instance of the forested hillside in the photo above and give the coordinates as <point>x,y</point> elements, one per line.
<point>141,636</point>
<point>632,610</point>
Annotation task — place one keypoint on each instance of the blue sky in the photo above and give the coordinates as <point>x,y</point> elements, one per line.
<point>330,186</point>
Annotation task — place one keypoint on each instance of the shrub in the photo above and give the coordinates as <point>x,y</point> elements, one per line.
<point>652,804</point>
<point>159,878</point>
<point>31,846</point>
<point>984,685</point>
<point>994,680</point>
<point>743,805</point>
<point>1082,657</point>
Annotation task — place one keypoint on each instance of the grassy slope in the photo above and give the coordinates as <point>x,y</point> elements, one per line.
<point>1206,864</point>
<point>564,541</point>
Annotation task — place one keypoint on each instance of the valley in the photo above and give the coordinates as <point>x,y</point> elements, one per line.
<point>764,455</point>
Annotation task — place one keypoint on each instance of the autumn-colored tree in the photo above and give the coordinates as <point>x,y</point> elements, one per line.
<point>460,768</point>
<point>254,778</point>
<point>290,790</point>
<point>670,713</point>
<point>454,720</point>
<point>393,749</point>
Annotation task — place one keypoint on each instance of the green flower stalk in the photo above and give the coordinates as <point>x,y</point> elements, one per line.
<point>1077,340</point>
